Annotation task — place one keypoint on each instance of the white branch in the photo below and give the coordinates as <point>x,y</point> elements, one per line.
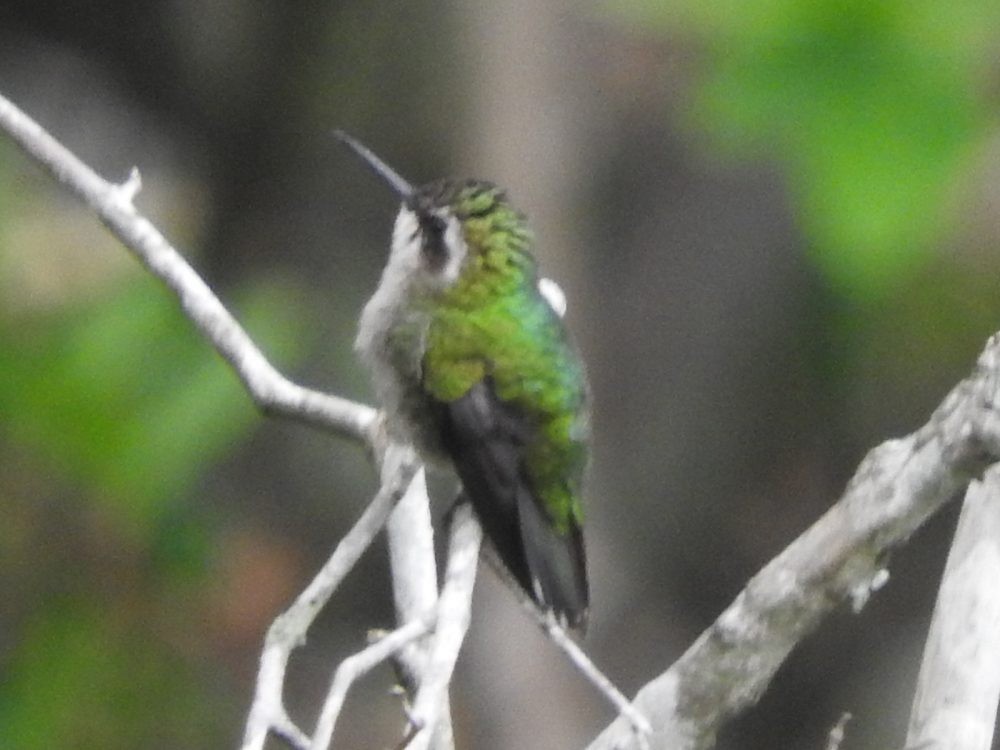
<point>452,622</point>
<point>576,655</point>
<point>414,569</point>
<point>271,391</point>
<point>838,732</point>
<point>840,558</point>
<point>415,589</point>
<point>557,634</point>
<point>411,536</point>
<point>450,619</point>
<point>288,631</point>
<point>358,665</point>
<point>274,394</point>
<point>955,705</point>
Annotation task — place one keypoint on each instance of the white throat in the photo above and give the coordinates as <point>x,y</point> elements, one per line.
<point>407,254</point>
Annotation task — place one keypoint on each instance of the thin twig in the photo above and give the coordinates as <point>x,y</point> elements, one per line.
<point>454,607</point>
<point>271,391</point>
<point>576,655</point>
<point>288,631</point>
<point>358,665</point>
<point>287,730</point>
<point>838,732</point>
<point>841,558</point>
<point>413,566</point>
<point>414,569</point>
<point>557,634</point>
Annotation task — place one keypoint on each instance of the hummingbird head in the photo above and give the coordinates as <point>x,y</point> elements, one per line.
<point>449,230</point>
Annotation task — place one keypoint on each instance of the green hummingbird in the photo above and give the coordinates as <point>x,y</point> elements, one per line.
<point>472,364</point>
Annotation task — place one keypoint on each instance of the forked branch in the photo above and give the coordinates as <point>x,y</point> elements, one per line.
<point>288,631</point>
<point>841,558</point>
<point>426,664</point>
<point>271,391</point>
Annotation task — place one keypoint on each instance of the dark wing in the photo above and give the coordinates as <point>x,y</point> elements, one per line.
<point>485,438</point>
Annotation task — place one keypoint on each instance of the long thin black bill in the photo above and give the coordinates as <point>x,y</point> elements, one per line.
<point>400,186</point>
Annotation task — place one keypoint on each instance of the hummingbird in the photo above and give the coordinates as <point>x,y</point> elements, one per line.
<point>473,365</point>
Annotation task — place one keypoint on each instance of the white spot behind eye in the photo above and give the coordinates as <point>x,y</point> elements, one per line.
<point>407,260</point>
<point>554,295</point>
<point>455,244</point>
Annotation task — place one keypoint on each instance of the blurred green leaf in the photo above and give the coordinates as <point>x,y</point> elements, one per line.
<point>122,393</point>
<point>115,397</point>
<point>873,107</point>
<point>85,679</point>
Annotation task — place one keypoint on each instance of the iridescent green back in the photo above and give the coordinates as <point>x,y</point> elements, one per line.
<point>494,323</point>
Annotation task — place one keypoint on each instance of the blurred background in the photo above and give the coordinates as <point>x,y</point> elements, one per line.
<point>777,225</point>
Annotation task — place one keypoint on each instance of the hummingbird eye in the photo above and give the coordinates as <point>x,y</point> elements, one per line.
<point>435,250</point>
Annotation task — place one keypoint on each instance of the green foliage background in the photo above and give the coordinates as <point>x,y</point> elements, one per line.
<point>130,456</point>
<point>111,398</point>
<point>874,109</point>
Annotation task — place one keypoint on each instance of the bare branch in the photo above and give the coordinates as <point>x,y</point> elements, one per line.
<point>285,728</point>
<point>546,621</point>
<point>271,391</point>
<point>955,705</point>
<point>274,394</point>
<point>452,622</point>
<point>358,665</point>
<point>411,535</point>
<point>578,658</point>
<point>838,732</point>
<point>415,590</point>
<point>414,570</point>
<point>896,488</point>
<point>840,558</point>
<point>288,631</point>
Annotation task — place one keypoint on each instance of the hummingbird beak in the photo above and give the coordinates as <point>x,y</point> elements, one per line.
<point>399,186</point>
